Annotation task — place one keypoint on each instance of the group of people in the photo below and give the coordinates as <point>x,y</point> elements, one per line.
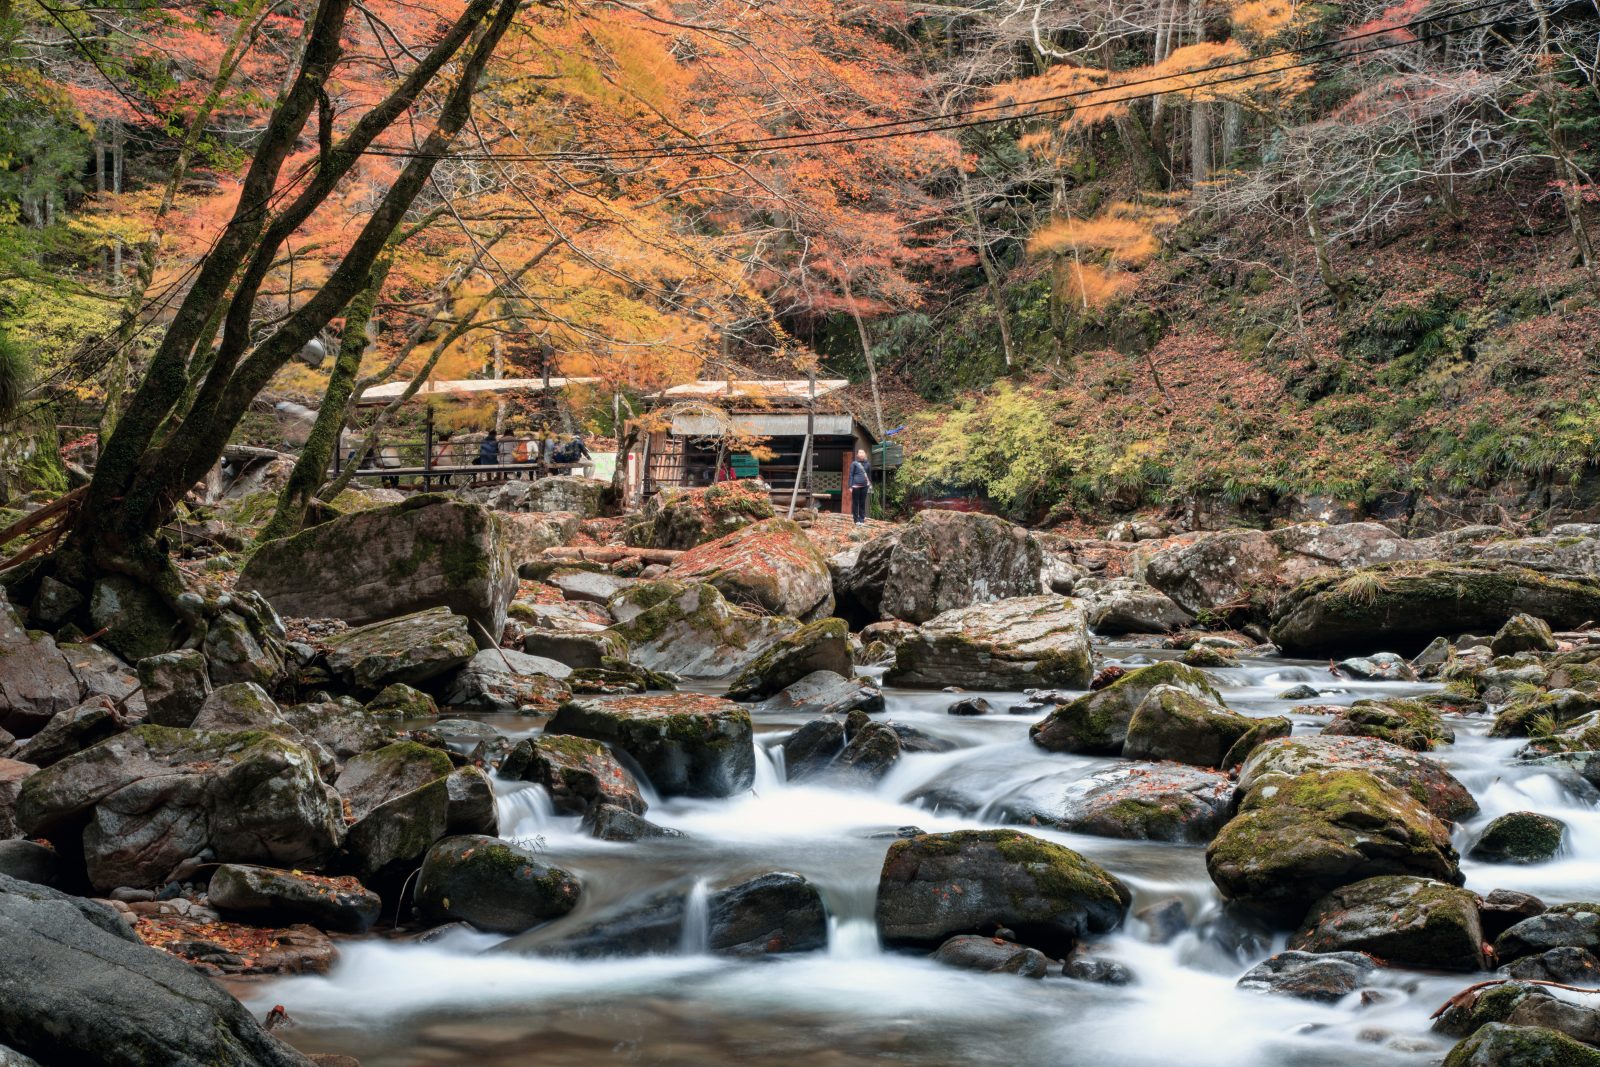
<point>509,450</point>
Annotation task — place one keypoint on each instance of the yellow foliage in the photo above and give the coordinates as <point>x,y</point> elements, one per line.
<point>1264,19</point>
<point>1091,286</point>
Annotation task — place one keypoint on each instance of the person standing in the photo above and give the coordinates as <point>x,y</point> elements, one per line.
<point>860,486</point>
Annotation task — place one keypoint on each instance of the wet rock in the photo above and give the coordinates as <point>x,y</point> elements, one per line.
<point>78,988</point>
<point>176,684</point>
<point>1098,971</point>
<point>1520,837</point>
<point>1570,709</point>
<point>686,744</point>
<point>1299,692</point>
<point>576,650</point>
<point>339,728</point>
<point>1261,731</point>
<point>691,630</point>
<point>473,739</point>
<point>1173,724</point>
<point>1569,966</point>
<point>970,706</point>
<point>992,955</point>
<point>153,797</point>
<point>101,674</point>
<point>133,620</point>
<point>611,823</point>
<point>1164,919</point>
<point>241,650</point>
<point>1410,922</point>
<point>12,774</point>
<point>429,552</point>
<point>1499,1045</point>
<point>1417,776</point>
<point>1097,723</point>
<point>1560,927</point>
<point>1407,723</point>
<point>770,566</point>
<point>375,778</point>
<point>823,693</point>
<point>1296,840</point>
<point>1378,667</point>
<point>971,881</point>
<point>817,646</point>
<point>1128,606</point>
<point>410,649</point>
<point>507,680</point>
<point>871,752</point>
<point>36,681</point>
<point>1504,908</point>
<point>576,772</point>
<point>593,587</point>
<point>1524,633</point>
<point>1198,655</point>
<point>942,561</point>
<point>470,807</point>
<point>71,731</point>
<point>1005,644</point>
<point>1148,802</point>
<point>1519,1004</point>
<point>241,706</point>
<point>1324,976</point>
<point>29,861</point>
<point>387,843</point>
<point>495,885</point>
<point>280,898</point>
<point>1406,605</point>
<point>812,747</point>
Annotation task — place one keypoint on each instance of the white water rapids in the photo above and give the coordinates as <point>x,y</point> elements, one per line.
<point>451,1003</point>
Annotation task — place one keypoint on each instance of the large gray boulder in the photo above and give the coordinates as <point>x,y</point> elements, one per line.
<point>940,561</point>
<point>1136,802</point>
<point>175,685</point>
<point>1404,921</point>
<point>1097,723</point>
<point>277,897</point>
<point>1171,723</point>
<point>1417,776</point>
<point>687,744</point>
<point>499,679</point>
<point>559,493</point>
<point>823,645</point>
<point>497,886</point>
<point>410,649</point>
<point>35,679</point>
<point>770,566</point>
<point>1002,644</point>
<point>1129,606</point>
<point>430,551</point>
<point>12,774</point>
<point>72,731</point>
<point>76,987</point>
<point>934,886</point>
<point>691,630</point>
<point>577,772</point>
<point>151,798</point>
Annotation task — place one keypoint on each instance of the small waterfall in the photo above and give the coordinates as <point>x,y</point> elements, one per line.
<point>695,940</point>
<point>853,921</point>
<point>771,772</point>
<point>524,810</point>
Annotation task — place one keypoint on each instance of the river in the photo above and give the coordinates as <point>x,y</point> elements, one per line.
<point>462,1001</point>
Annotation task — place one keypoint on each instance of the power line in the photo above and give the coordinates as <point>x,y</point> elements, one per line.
<point>890,129</point>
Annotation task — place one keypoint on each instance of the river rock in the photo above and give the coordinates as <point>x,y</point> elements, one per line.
<point>497,886</point>
<point>1296,840</point>
<point>771,567</point>
<point>819,646</point>
<point>1097,723</point>
<point>942,561</point>
<point>611,823</point>
<point>76,987</point>
<point>1139,802</point>
<point>431,551</point>
<point>1171,723</point>
<point>132,619</point>
<point>576,650</point>
<point>102,674</point>
<point>403,703</point>
<point>280,898</point>
<point>72,731</point>
<point>870,752</point>
<point>1520,1004</point>
<point>1406,921</point>
<point>1520,837</point>
<point>1408,723</point>
<point>1422,778</point>
<point>12,774</point>
<point>471,807</point>
<point>971,881</point>
<point>992,955</point>
<point>1568,965</point>
<point>372,779</point>
<point>1005,644</point>
<point>503,680</point>
<point>246,650</point>
<point>823,693</point>
<point>30,861</point>
<point>576,772</point>
<point>683,518</point>
<point>1097,970</point>
<point>1129,606</point>
<point>154,797</point>
<point>386,845</point>
<point>240,706</point>
<point>1524,633</point>
<point>687,744</point>
<point>1500,1045</point>
<point>36,681</point>
<point>340,728</point>
<point>587,586</point>
<point>1260,732</point>
<point>1560,927</point>
<point>691,630</point>
<point>813,747</point>
<point>1324,976</point>
<point>175,685</point>
<point>1502,909</point>
<point>1405,605</point>
<point>411,649</point>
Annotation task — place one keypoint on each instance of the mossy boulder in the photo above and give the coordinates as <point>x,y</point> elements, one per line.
<point>1501,1045</point>
<point>1134,802</point>
<point>687,744</point>
<point>1407,723</point>
<point>175,685</point>
<point>690,629</point>
<point>410,649</point>
<point>1004,644</point>
<point>372,779</point>
<point>934,886</point>
<point>683,518</point>
<point>1575,925</point>
<point>1405,921</point>
<point>497,886</point>
<point>147,800</point>
<point>430,551</point>
<point>277,897</point>
<point>1172,723</point>
<point>135,619</point>
<point>576,772</point>
<point>1519,1005</point>
<point>503,680</point>
<point>1097,723</point>
<point>1298,839</point>
<point>1327,977</point>
<point>942,561</point>
<point>1404,606</point>
<point>1520,837</point>
<point>1424,780</point>
<point>819,646</point>
<point>1261,731</point>
<point>36,681</point>
<point>400,702</point>
<point>1523,633</point>
<point>770,566</point>
<point>1563,710</point>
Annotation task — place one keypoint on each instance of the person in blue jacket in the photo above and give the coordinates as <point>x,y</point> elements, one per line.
<point>860,486</point>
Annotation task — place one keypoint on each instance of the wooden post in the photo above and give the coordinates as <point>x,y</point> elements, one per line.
<point>644,469</point>
<point>847,498</point>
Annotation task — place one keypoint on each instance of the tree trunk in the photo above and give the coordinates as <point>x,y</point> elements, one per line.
<point>990,273</point>
<point>866,351</point>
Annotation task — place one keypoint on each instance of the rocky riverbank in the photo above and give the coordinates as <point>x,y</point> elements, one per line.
<point>329,764</point>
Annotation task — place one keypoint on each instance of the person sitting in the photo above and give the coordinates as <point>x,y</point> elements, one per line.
<point>572,454</point>
<point>488,451</point>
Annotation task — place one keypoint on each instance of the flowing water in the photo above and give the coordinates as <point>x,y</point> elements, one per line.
<point>459,1001</point>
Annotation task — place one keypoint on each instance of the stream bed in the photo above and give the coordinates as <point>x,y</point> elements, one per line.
<point>464,999</point>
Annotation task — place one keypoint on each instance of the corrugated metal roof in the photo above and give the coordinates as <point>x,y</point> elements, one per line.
<point>382,394</point>
<point>798,389</point>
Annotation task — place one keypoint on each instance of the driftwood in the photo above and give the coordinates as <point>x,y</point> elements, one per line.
<point>611,554</point>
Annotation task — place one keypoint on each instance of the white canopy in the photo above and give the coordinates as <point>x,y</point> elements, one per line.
<point>468,387</point>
